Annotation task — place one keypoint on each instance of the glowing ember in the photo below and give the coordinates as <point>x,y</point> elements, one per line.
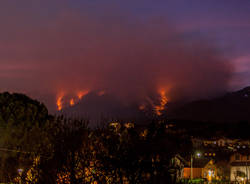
<point>159,108</point>
<point>81,94</point>
<point>72,102</point>
<point>59,102</point>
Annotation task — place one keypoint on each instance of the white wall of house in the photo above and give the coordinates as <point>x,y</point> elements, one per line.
<point>244,169</point>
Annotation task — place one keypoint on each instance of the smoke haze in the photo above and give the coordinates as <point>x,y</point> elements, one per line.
<point>124,56</point>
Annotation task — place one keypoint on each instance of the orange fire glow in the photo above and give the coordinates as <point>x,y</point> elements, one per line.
<point>159,108</point>
<point>81,94</point>
<point>59,102</point>
<point>72,102</point>
<point>62,99</point>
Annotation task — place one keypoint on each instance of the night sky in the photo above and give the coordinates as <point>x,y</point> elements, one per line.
<point>131,48</point>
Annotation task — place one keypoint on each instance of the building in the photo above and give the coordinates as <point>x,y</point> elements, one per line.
<point>202,168</point>
<point>231,144</point>
<point>240,167</point>
<point>177,164</point>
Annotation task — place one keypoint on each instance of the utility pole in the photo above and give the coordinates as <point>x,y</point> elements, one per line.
<point>246,173</point>
<point>191,167</point>
<point>197,155</point>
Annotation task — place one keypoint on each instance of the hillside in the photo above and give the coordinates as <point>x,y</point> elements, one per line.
<point>232,107</point>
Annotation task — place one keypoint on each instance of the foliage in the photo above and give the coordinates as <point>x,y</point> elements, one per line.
<point>21,126</point>
<point>60,150</point>
<point>115,153</point>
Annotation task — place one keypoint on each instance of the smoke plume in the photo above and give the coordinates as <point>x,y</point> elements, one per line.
<point>131,59</point>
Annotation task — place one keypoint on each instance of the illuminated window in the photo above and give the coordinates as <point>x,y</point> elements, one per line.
<point>209,173</point>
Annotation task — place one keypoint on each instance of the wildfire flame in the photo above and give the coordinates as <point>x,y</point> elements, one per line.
<point>72,102</point>
<point>59,102</point>
<point>63,100</point>
<point>81,94</point>
<point>159,108</point>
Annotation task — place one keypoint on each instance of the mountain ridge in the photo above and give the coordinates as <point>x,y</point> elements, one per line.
<point>231,107</point>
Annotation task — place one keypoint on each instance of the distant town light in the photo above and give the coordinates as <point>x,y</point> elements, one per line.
<point>129,125</point>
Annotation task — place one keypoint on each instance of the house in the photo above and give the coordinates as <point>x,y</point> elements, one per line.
<point>240,167</point>
<point>221,142</point>
<point>177,165</point>
<point>202,168</point>
<point>210,171</point>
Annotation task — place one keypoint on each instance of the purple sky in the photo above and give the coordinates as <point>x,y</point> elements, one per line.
<point>130,48</point>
